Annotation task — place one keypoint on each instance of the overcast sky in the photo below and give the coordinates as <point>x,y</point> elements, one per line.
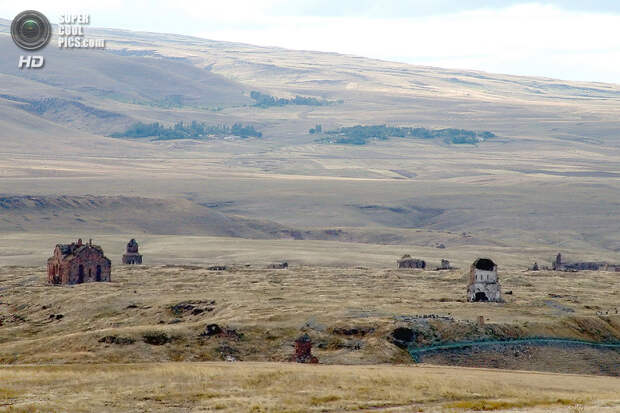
<point>567,39</point>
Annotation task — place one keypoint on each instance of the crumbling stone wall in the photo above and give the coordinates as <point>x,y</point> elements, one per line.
<point>583,266</point>
<point>559,265</point>
<point>408,262</point>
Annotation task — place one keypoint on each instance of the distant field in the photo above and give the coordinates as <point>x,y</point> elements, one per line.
<point>33,249</point>
<point>547,181</point>
<point>279,388</point>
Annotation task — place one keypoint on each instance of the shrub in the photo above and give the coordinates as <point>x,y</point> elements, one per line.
<point>156,338</point>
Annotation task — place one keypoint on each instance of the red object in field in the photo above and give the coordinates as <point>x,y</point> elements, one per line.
<point>303,350</point>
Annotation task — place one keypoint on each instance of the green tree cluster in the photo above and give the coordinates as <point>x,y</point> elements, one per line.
<point>265,101</point>
<point>182,130</point>
<point>361,135</point>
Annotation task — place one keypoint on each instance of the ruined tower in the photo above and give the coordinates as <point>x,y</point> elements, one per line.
<point>483,282</point>
<point>557,265</point>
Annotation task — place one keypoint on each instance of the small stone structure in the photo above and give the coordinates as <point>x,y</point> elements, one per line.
<point>303,350</point>
<point>78,263</point>
<point>445,265</point>
<point>407,262</point>
<point>483,282</point>
<point>132,256</point>
<point>278,266</point>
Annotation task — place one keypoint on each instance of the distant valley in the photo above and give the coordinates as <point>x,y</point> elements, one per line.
<point>308,146</point>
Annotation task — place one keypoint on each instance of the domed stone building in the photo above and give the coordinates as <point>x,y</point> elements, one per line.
<point>132,256</point>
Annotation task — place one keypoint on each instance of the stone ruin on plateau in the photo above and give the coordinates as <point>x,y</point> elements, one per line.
<point>78,263</point>
<point>560,265</point>
<point>132,256</point>
<point>407,262</point>
<point>483,282</point>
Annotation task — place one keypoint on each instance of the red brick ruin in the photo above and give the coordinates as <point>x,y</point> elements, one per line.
<point>78,263</point>
<point>303,350</point>
<point>132,256</point>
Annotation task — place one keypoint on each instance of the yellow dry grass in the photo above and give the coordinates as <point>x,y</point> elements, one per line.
<point>277,387</point>
<point>271,308</point>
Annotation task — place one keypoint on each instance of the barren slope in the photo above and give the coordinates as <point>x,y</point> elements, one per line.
<point>548,181</point>
<point>97,214</point>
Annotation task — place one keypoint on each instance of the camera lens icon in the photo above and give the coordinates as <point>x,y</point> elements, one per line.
<point>31,30</point>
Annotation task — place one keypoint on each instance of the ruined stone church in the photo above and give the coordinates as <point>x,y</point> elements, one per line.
<point>78,263</point>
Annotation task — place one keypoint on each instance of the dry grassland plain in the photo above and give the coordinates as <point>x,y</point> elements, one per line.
<point>276,387</point>
<point>266,310</point>
<point>44,356</point>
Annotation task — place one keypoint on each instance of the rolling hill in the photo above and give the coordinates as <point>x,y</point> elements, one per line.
<point>547,180</point>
